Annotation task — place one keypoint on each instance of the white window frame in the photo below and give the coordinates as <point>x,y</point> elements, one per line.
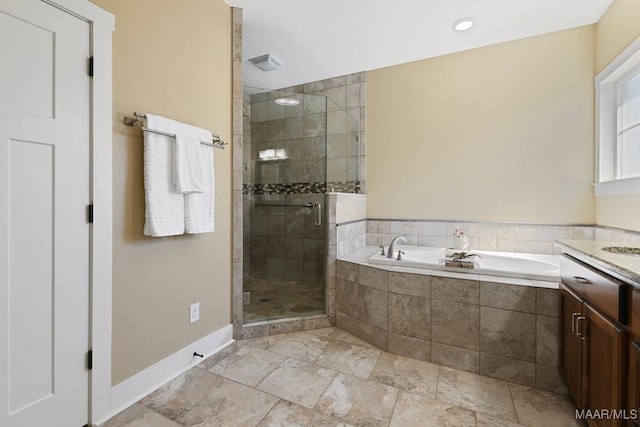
<point>607,84</point>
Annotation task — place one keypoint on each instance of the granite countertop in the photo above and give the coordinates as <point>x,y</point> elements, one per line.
<point>590,251</point>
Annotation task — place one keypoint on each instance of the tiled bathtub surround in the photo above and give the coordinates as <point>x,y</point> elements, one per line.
<point>500,330</point>
<point>351,236</point>
<point>606,234</point>
<point>502,237</point>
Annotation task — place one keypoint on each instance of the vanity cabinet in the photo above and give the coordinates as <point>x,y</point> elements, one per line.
<point>633,389</point>
<point>634,379</point>
<point>593,339</point>
<point>572,345</point>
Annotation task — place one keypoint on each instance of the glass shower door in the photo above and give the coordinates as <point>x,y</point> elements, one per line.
<point>284,185</point>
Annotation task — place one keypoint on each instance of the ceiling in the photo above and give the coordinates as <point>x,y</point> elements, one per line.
<point>319,39</point>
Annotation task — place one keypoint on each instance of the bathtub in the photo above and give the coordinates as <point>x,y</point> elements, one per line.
<point>505,264</point>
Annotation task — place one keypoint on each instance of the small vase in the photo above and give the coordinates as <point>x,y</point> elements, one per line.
<point>458,244</point>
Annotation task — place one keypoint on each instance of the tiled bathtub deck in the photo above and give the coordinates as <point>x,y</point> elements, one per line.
<point>328,377</point>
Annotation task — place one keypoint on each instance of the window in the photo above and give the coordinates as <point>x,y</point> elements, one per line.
<point>618,124</point>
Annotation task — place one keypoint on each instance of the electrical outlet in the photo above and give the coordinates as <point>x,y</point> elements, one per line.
<point>194,312</point>
<point>246,297</point>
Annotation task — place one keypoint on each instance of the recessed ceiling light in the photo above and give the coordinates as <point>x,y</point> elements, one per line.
<point>287,102</point>
<point>463,24</point>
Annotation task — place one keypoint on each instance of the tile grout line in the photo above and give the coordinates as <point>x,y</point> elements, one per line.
<point>326,389</point>
<point>513,403</point>
<point>435,396</point>
<point>270,410</point>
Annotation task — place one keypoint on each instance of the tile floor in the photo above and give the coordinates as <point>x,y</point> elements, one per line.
<point>328,377</point>
<point>273,299</point>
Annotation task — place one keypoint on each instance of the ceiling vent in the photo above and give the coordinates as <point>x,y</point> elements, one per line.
<point>266,62</point>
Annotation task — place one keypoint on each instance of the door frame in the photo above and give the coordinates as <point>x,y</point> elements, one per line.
<point>102,25</point>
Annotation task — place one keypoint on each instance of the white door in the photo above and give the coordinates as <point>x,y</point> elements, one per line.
<point>44,233</point>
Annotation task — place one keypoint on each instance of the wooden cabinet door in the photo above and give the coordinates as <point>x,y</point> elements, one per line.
<point>634,379</point>
<point>572,346</point>
<point>603,381</point>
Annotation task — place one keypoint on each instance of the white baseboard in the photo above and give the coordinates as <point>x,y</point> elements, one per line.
<point>145,382</point>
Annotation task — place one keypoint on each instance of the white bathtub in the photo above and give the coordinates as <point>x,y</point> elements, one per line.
<point>506,264</point>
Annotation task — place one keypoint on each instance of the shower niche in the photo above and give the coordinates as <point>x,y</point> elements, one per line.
<point>299,143</point>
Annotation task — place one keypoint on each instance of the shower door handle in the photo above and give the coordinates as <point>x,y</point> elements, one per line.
<point>318,214</point>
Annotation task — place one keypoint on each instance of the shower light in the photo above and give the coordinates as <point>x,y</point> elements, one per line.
<point>266,154</point>
<point>272,154</point>
<point>287,102</point>
<point>463,24</point>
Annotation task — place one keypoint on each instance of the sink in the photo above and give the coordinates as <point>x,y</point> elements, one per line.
<point>623,250</point>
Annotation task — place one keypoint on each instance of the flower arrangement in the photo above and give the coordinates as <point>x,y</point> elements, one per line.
<point>461,240</point>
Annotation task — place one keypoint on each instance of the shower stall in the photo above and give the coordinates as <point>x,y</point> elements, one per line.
<point>297,147</point>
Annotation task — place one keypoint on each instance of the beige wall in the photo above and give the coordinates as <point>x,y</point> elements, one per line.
<point>175,61</point>
<point>617,28</point>
<point>501,133</point>
<point>615,31</point>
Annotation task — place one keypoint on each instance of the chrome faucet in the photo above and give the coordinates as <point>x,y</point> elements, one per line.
<point>392,245</point>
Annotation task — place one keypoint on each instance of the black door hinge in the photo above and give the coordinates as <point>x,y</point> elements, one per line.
<point>91,66</point>
<point>90,213</point>
<point>90,360</point>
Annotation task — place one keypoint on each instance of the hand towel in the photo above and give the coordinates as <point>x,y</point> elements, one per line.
<point>199,207</point>
<point>164,206</point>
<point>189,161</point>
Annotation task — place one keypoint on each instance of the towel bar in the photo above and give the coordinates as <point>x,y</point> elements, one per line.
<point>130,121</point>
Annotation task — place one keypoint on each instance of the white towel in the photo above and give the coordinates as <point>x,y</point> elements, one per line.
<point>164,207</point>
<point>189,160</point>
<point>199,207</point>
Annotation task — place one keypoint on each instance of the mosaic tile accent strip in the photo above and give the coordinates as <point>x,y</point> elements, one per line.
<point>301,187</point>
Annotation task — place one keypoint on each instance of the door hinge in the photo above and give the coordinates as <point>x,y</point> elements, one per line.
<point>91,66</point>
<point>90,360</point>
<point>90,213</point>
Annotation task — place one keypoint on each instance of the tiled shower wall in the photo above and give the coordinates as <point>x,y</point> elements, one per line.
<point>324,138</point>
<point>328,123</point>
<point>237,167</point>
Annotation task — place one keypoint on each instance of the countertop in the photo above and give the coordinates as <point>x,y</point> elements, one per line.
<point>590,251</point>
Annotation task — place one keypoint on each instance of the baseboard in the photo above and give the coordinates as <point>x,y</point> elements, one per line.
<point>145,382</point>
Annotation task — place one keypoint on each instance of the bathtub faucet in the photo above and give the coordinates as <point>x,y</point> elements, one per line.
<point>392,245</point>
